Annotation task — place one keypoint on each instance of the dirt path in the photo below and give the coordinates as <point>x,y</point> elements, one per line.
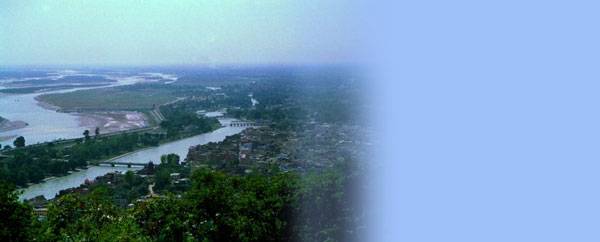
<point>150,188</point>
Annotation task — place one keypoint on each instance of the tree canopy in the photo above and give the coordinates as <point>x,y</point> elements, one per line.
<point>19,142</point>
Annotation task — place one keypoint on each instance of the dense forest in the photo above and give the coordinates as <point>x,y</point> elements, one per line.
<point>316,206</point>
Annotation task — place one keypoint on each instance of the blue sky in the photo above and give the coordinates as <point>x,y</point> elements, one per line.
<point>176,32</point>
<point>489,121</point>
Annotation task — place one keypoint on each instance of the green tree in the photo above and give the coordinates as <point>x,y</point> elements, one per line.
<point>21,178</point>
<point>162,218</point>
<point>208,204</point>
<point>35,175</point>
<point>97,132</point>
<point>162,179</point>
<point>18,222</point>
<point>325,205</point>
<point>19,142</point>
<point>129,177</point>
<point>230,208</point>
<point>170,159</point>
<point>88,218</point>
<point>86,134</point>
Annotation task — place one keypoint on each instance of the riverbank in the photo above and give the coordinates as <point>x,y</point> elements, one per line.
<point>114,121</point>
<point>44,104</point>
<point>52,187</point>
<point>143,155</point>
<point>94,163</point>
<point>160,144</point>
<point>107,121</point>
<point>7,125</point>
<point>8,137</point>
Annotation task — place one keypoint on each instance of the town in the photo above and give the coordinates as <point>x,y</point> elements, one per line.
<point>260,150</point>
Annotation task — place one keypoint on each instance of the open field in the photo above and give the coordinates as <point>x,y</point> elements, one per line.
<point>24,90</point>
<point>126,98</point>
<point>61,81</point>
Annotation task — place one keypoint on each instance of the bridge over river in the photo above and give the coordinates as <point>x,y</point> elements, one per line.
<point>128,164</point>
<point>248,123</point>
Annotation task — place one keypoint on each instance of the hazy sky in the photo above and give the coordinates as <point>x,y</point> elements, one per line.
<point>195,32</point>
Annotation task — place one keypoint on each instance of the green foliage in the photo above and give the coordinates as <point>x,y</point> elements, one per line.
<point>209,206</point>
<point>33,166</point>
<point>162,179</point>
<point>318,206</point>
<point>170,159</point>
<point>169,164</point>
<point>89,218</point>
<point>129,178</point>
<point>181,119</point>
<point>326,205</point>
<point>39,162</point>
<point>162,218</point>
<point>18,222</point>
<point>137,96</point>
<point>19,142</point>
<point>314,206</point>
<point>86,134</point>
<point>132,189</point>
<point>261,208</point>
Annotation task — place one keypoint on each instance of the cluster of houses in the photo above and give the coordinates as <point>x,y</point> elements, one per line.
<point>253,148</point>
<point>39,203</point>
<point>323,145</point>
<point>314,146</point>
<point>113,178</point>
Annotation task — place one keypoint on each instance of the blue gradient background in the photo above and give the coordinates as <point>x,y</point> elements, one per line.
<point>489,123</point>
<point>487,110</point>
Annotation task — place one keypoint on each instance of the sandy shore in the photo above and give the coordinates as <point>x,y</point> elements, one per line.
<point>45,104</point>
<point>112,121</point>
<point>107,121</point>
<point>6,125</point>
<point>3,138</point>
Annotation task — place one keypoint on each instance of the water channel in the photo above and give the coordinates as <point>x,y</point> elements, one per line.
<point>47,125</point>
<point>51,187</point>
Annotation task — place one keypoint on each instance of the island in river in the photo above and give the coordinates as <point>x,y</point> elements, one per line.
<point>38,121</point>
<point>51,187</point>
<point>7,125</point>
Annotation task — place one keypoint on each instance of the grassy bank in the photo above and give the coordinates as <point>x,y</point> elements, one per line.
<point>48,159</point>
<point>124,97</point>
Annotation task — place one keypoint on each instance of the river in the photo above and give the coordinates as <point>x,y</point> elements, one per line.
<point>44,124</point>
<point>181,147</point>
<point>47,125</point>
<point>51,187</point>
